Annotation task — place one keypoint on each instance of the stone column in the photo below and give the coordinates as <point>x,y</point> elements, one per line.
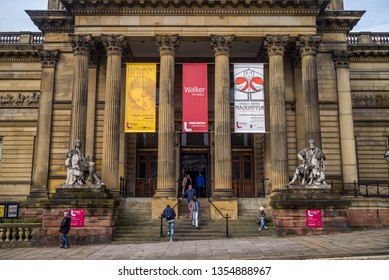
<point>82,45</point>
<point>114,45</point>
<point>166,185</point>
<point>307,46</point>
<point>39,188</point>
<point>167,46</point>
<point>347,139</point>
<point>91,107</point>
<point>275,46</point>
<point>221,46</point>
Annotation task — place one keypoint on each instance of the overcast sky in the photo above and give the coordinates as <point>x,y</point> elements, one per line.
<point>14,19</point>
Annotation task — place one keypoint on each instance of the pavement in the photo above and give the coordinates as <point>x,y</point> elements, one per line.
<point>359,244</point>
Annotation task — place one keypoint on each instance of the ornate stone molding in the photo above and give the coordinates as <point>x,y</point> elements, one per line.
<point>82,44</point>
<point>49,58</point>
<point>114,43</point>
<point>338,21</point>
<point>328,107</point>
<point>62,106</point>
<point>221,45</point>
<point>366,100</point>
<point>152,6</point>
<point>19,124</point>
<point>276,45</point>
<point>342,58</point>
<point>371,124</point>
<point>11,100</point>
<point>52,20</point>
<point>307,45</point>
<point>167,44</point>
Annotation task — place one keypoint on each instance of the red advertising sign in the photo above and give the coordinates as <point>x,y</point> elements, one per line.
<point>313,218</point>
<point>77,216</point>
<point>194,97</point>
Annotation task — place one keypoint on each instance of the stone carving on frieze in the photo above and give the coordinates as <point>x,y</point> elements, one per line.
<point>21,99</point>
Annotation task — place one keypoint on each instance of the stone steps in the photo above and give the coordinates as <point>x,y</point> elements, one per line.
<point>135,226</point>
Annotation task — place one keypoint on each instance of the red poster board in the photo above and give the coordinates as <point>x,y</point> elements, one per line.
<point>313,218</point>
<point>77,216</point>
<point>194,97</point>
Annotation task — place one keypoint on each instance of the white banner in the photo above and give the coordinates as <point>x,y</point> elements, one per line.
<point>249,99</point>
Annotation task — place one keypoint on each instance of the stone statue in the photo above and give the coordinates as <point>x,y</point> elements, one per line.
<point>311,171</point>
<point>79,169</point>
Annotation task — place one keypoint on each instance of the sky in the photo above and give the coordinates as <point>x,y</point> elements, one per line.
<point>13,18</point>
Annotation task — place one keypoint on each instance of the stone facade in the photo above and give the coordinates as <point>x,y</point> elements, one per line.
<point>68,82</point>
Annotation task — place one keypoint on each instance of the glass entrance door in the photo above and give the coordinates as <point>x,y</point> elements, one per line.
<point>194,163</point>
<point>146,181</point>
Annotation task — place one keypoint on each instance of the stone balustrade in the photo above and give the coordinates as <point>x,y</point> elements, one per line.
<point>368,38</point>
<point>18,232</point>
<point>18,38</point>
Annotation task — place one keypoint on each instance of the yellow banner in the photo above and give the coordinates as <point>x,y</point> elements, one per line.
<point>141,79</point>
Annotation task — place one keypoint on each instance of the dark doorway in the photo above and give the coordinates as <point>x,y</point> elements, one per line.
<point>192,163</point>
<point>242,174</point>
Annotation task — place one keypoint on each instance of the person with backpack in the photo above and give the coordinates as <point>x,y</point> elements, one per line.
<point>169,214</point>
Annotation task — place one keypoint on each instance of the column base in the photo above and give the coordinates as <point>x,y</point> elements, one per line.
<point>165,193</point>
<point>158,204</point>
<point>38,194</point>
<point>222,194</point>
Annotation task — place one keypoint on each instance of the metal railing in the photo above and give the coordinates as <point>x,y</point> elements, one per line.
<point>140,187</point>
<point>362,189</point>
<point>226,217</point>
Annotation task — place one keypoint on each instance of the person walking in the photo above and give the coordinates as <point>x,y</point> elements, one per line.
<point>195,211</point>
<point>170,215</point>
<point>189,193</point>
<point>200,182</point>
<point>64,229</point>
<point>261,219</point>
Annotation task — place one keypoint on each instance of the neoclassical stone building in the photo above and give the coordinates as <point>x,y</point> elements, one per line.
<point>68,82</point>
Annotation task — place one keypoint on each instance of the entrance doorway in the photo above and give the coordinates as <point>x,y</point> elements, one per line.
<point>242,174</point>
<point>193,163</point>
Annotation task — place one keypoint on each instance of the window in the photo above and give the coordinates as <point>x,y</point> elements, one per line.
<point>194,139</point>
<point>147,140</point>
<point>241,140</point>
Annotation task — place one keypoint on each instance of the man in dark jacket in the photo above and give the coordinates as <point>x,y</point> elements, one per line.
<point>64,229</point>
<point>170,216</point>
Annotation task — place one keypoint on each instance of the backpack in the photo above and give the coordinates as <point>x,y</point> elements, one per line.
<point>169,213</point>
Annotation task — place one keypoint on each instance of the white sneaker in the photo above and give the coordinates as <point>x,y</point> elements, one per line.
<point>265,227</point>
<point>168,233</point>
<point>171,240</point>
<point>259,229</point>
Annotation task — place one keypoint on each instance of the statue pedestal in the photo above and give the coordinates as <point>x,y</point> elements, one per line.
<point>290,205</point>
<point>100,215</point>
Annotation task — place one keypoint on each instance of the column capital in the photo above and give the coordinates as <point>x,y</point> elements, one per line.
<point>167,44</point>
<point>307,45</point>
<point>275,45</point>
<point>342,58</point>
<point>114,43</point>
<point>49,58</point>
<point>82,44</point>
<point>221,45</point>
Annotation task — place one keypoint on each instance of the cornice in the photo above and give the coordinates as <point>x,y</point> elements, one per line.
<point>52,20</point>
<point>372,50</point>
<point>206,7</point>
<point>371,123</point>
<point>338,21</point>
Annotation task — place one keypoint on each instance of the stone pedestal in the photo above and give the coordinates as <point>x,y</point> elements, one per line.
<point>290,205</point>
<point>227,206</point>
<point>100,215</point>
<point>158,204</point>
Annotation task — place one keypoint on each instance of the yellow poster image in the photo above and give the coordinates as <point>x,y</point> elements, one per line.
<point>141,79</point>
<point>2,211</point>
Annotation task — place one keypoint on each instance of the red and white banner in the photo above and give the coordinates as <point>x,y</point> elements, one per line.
<point>249,99</point>
<point>194,97</point>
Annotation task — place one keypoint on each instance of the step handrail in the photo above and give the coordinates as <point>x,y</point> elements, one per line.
<point>161,218</point>
<point>217,209</point>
